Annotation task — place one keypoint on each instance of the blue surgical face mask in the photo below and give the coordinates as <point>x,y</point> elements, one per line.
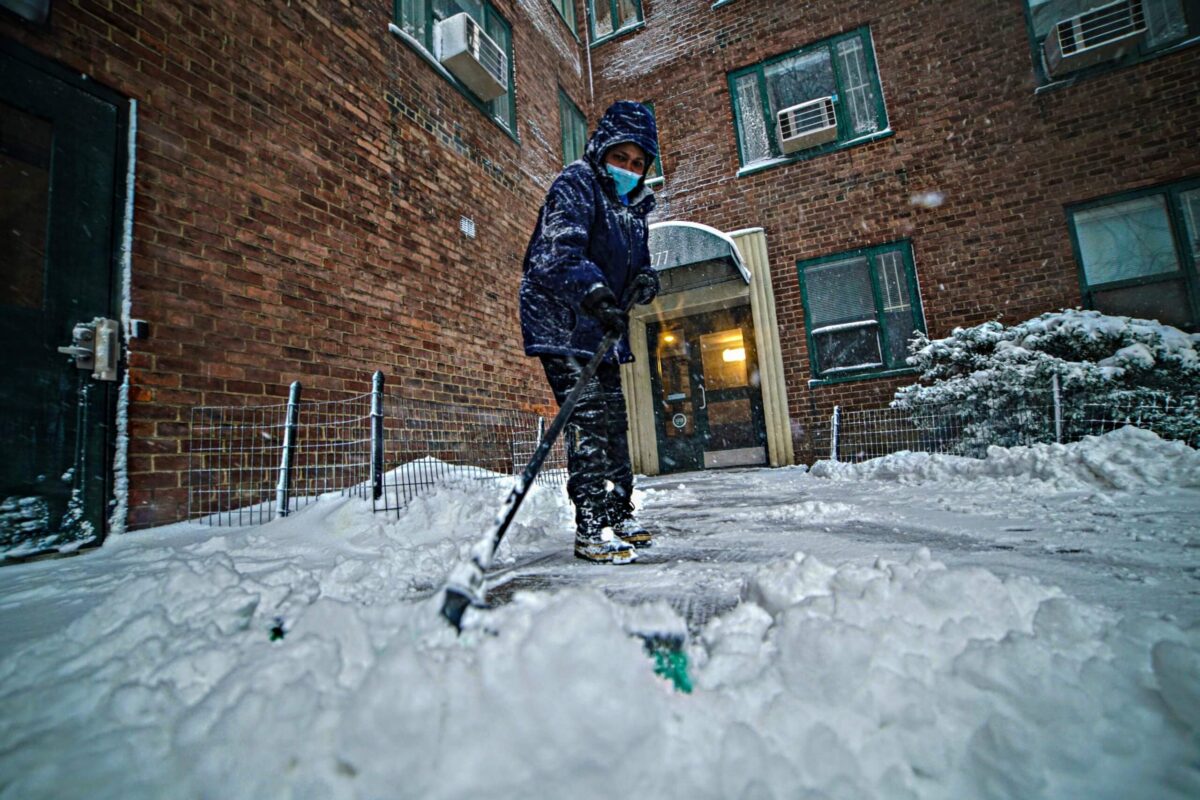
<point>625,180</point>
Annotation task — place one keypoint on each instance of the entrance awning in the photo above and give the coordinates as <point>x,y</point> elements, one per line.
<point>681,244</point>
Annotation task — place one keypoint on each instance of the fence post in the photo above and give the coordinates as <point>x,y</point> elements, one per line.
<point>834,423</point>
<point>377,435</point>
<point>1058,422</point>
<point>283,489</point>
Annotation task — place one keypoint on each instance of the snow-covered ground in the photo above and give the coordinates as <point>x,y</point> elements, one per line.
<point>915,626</point>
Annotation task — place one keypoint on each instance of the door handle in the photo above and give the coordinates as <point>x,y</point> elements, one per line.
<point>703,397</point>
<point>94,346</point>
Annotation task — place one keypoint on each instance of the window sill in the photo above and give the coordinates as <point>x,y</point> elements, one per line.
<point>771,163</point>
<point>861,376</point>
<point>720,3</point>
<point>1054,84</point>
<point>608,37</point>
<point>420,50</point>
<point>655,183</point>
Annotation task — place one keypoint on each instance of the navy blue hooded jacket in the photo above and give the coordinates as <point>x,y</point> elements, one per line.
<point>585,235</point>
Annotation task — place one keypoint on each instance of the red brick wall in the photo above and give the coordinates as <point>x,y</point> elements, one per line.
<point>301,174</point>
<point>959,87</point>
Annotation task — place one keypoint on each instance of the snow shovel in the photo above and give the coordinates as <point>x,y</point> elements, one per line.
<point>465,586</point>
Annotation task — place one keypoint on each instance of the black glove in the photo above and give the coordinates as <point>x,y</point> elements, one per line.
<point>644,288</point>
<point>600,304</point>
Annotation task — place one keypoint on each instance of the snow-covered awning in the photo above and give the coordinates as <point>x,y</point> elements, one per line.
<point>678,244</point>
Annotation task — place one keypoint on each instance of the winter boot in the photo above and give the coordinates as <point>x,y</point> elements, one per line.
<point>599,550</point>
<point>619,516</point>
<point>630,531</point>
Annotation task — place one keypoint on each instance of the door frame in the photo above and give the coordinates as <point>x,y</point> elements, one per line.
<point>693,328</point>
<point>112,517</point>
<point>759,292</point>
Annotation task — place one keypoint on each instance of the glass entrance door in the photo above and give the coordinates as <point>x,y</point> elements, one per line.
<point>708,409</point>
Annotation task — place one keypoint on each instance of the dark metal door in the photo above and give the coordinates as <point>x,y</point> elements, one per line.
<point>708,406</point>
<point>58,181</point>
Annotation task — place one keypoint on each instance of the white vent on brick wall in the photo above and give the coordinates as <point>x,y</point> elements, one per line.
<point>806,125</point>
<point>467,226</point>
<point>1101,34</point>
<point>471,56</point>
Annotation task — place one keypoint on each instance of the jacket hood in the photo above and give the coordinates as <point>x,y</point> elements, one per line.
<point>624,121</point>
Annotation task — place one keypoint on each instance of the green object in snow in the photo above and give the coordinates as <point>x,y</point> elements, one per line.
<point>670,662</point>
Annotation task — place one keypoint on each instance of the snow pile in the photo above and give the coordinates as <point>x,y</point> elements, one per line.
<point>306,658</point>
<point>1127,459</point>
<point>914,680</point>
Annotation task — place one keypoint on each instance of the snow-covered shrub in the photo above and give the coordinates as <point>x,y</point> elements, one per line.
<point>996,381</point>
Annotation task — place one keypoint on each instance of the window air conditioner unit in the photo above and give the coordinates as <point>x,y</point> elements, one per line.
<point>1100,34</point>
<point>472,56</point>
<point>806,125</point>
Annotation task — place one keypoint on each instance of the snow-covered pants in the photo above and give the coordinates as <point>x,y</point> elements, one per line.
<point>597,443</point>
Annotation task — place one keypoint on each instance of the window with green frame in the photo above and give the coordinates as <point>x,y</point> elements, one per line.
<point>861,308</point>
<point>609,18</point>
<point>566,10</point>
<point>654,175</point>
<point>574,128</point>
<point>1072,35</point>
<point>836,75</point>
<point>1138,253</point>
<point>418,19</point>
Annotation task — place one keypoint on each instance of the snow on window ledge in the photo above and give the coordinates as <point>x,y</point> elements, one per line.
<point>415,44</point>
<point>854,368</point>
<point>848,326</point>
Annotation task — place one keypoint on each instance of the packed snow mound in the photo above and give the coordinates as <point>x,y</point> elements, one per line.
<point>1126,459</point>
<point>914,680</point>
<point>306,658</point>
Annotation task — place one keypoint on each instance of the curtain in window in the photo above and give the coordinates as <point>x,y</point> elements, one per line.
<point>1126,240</point>
<point>602,17</point>
<point>839,292</point>
<point>627,13</point>
<point>841,308</point>
<point>751,128</point>
<point>413,14</point>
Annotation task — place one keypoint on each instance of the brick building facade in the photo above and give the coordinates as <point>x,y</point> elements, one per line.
<point>971,122</point>
<point>315,198</point>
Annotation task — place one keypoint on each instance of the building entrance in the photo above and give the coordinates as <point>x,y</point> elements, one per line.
<point>708,410</point>
<point>59,175</point>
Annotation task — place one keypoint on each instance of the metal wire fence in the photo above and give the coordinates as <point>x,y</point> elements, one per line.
<point>426,443</point>
<point>251,464</point>
<point>969,431</point>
